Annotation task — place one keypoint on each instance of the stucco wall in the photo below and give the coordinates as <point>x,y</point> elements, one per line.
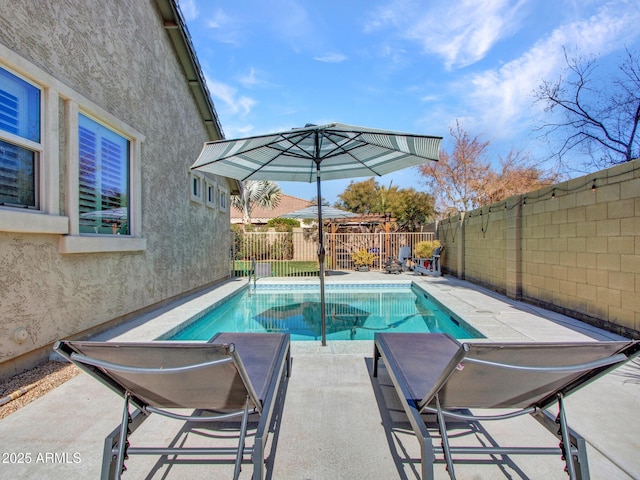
<point>118,56</point>
<point>573,247</point>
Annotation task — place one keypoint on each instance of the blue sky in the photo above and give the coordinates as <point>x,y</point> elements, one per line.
<point>406,65</point>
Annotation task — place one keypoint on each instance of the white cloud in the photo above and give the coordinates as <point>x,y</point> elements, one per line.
<point>219,20</point>
<point>460,32</point>
<point>250,79</point>
<point>238,131</point>
<point>233,103</point>
<point>189,9</point>
<point>331,58</point>
<point>501,99</point>
<point>226,28</point>
<point>393,55</point>
<point>464,32</point>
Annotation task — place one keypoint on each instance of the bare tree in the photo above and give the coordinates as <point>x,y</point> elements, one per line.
<point>456,178</point>
<point>517,175</point>
<point>465,179</point>
<point>595,117</point>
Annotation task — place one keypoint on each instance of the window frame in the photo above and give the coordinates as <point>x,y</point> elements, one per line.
<point>46,216</point>
<point>223,198</point>
<point>210,193</point>
<point>23,141</point>
<point>104,166</point>
<point>61,101</point>
<point>77,242</point>
<point>196,187</point>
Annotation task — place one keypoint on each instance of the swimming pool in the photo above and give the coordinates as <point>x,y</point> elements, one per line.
<point>353,312</point>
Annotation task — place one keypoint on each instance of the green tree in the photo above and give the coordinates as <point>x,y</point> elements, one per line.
<point>409,207</point>
<point>360,197</point>
<point>264,193</point>
<point>325,202</point>
<point>412,209</point>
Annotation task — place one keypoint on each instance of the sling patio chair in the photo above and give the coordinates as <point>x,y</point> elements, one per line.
<point>230,377</point>
<point>434,374</point>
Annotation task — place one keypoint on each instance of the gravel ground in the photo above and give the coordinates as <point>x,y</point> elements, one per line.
<point>45,377</point>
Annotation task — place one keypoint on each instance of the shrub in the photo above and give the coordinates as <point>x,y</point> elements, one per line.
<point>363,257</point>
<point>283,224</point>
<point>425,249</point>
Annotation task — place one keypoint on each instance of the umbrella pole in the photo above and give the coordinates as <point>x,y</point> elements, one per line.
<point>321,258</point>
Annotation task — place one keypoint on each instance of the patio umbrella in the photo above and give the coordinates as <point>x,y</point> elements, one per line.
<point>335,150</point>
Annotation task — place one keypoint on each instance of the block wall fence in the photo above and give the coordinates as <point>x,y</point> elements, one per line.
<point>573,247</point>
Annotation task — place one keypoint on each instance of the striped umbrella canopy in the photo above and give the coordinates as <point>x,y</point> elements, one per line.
<point>333,151</point>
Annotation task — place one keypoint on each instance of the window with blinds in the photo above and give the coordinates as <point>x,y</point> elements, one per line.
<point>19,141</point>
<point>104,179</point>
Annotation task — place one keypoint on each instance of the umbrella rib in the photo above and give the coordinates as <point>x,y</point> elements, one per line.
<point>364,143</point>
<point>348,152</point>
<point>300,137</point>
<point>278,139</point>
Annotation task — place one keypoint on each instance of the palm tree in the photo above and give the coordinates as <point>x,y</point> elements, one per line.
<point>263,193</point>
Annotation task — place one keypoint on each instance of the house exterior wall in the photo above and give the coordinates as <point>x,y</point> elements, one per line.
<point>115,61</point>
<point>573,247</point>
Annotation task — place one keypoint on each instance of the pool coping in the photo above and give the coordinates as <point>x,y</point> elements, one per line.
<point>499,319</point>
<point>278,288</point>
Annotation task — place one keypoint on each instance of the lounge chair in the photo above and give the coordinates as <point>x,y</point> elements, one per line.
<point>435,374</point>
<point>429,266</point>
<point>403,255</point>
<point>234,375</point>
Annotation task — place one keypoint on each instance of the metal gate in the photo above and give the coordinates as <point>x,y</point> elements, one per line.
<point>294,254</point>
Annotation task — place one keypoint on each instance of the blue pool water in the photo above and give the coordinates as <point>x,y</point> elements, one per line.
<point>353,312</point>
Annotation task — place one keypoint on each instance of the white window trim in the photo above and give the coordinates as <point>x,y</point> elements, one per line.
<point>47,218</point>
<point>207,185</point>
<point>86,243</point>
<point>225,192</point>
<point>199,178</point>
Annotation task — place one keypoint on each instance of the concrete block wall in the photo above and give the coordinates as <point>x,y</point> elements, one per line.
<point>573,247</point>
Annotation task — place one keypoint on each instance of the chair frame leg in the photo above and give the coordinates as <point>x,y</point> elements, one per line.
<point>123,441</point>
<point>572,439</point>
<point>243,432</point>
<point>580,457</point>
<point>445,440</point>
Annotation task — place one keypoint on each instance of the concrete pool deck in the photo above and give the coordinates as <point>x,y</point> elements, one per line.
<point>336,422</point>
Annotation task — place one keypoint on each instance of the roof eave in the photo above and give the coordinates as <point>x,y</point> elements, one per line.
<point>176,28</point>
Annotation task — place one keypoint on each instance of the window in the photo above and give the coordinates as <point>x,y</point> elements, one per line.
<point>223,199</point>
<point>104,199</point>
<point>196,187</point>
<point>103,194</point>
<point>20,143</point>
<point>101,188</point>
<point>210,194</point>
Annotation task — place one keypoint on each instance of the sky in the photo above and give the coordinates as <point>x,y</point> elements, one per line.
<point>413,66</point>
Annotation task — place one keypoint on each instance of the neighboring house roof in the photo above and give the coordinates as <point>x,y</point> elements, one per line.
<point>262,215</point>
<point>176,27</point>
